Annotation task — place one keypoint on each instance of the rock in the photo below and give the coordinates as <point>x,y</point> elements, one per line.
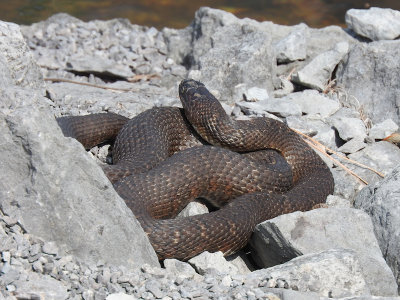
<point>98,66</point>
<point>314,104</point>
<point>300,124</point>
<point>43,286</point>
<point>353,145</point>
<point>241,262</point>
<point>49,181</point>
<point>383,129</point>
<point>50,248</point>
<point>192,209</point>
<point>179,268</point>
<point>256,94</point>
<point>375,23</point>
<point>317,73</point>
<point>17,63</point>
<point>279,107</point>
<point>286,87</point>
<point>369,73</point>
<point>336,201</point>
<point>331,273</point>
<point>378,156</point>
<point>120,296</point>
<point>321,230</point>
<point>78,100</point>
<point>349,128</point>
<point>293,46</point>
<point>380,201</point>
<point>207,260</point>
<point>247,60</point>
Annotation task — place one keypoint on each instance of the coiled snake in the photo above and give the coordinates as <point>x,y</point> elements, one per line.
<point>163,159</point>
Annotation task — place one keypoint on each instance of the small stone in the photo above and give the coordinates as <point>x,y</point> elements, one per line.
<point>35,249</point>
<point>88,295</point>
<point>10,221</point>
<point>206,260</point>
<point>50,248</point>
<point>11,288</point>
<point>37,266</point>
<point>192,209</point>
<point>6,256</point>
<point>255,94</point>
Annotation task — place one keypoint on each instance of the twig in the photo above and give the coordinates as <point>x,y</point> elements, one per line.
<point>323,149</point>
<point>89,84</point>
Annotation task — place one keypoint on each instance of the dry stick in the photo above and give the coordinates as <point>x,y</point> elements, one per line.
<point>363,181</point>
<point>89,84</point>
<point>323,149</point>
<point>340,155</point>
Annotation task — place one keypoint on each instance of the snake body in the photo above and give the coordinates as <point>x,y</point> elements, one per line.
<point>166,157</point>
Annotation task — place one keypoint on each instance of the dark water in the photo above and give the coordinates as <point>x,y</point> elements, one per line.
<point>179,13</point>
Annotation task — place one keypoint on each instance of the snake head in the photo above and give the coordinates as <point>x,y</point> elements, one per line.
<point>195,97</point>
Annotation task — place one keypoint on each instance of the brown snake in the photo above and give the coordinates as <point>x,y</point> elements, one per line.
<point>161,163</point>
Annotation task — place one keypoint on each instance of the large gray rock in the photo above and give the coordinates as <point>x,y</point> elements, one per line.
<point>375,23</point>
<point>293,46</point>
<point>50,182</point>
<point>324,229</point>
<point>381,202</point>
<point>371,74</point>
<point>248,60</point>
<point>17,63</point>
<point>51,185</point>
<point>331,273</point>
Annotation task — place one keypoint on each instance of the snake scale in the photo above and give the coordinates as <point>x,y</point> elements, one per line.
<point>166,157</point>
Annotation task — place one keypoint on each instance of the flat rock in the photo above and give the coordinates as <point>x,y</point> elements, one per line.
<point>380,201</point>
<point>280,107</point>
<point>314,104</point>
<point>320,230</point>
<point>383,129</point>
<point>370,74</point>
<point>375,23</point>
<point>353,145</point>
<point>43,287</point>
<point>317,73</point>
<point>330,273</point>
<point>98,66</point>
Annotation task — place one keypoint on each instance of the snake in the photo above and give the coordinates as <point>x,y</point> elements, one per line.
<point>249,171</point>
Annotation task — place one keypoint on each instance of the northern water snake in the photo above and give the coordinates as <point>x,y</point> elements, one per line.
<point>161,163</point>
